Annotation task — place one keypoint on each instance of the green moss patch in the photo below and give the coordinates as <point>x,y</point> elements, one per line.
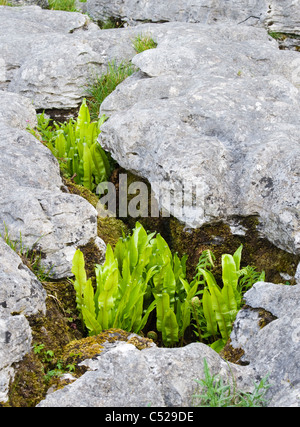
<point>257,252</point>
<point>88,348</point>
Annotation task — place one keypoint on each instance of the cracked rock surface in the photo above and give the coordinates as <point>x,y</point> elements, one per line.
<point>21,295</point>
<point>228,98</point>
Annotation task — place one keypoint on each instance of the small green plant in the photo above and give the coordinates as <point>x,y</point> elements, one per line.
<point>45,355</point>
<point>214,392</point>
<point>121,286</point>
<point>44,130</point>
<point>102,86</point>
<point>140,275</point>
<point>30,257</point>
<point>110,23</point>
<point>75,145</point>
<point>143,42</point>
<point>66,5</point>
<point>52,366</point>
<point>171,292</point>
<point>220,305</point>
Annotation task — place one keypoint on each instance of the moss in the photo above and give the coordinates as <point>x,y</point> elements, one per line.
<point>257,252</point>
<point>193,242</point>
<point>109,229</point>
<point>231,354</point>
<point>87,348</point>
<point>90,347</point>
<point>265,317</point>
<point>92,256</point>
<point>56,329</point>
<point>152,224</point>
<point>140,342</point>
<point>28,387</point>
<point>81,191</point>
<point>61,323</point>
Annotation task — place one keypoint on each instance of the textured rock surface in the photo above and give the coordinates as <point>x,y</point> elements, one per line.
<point>297,275</point>
<point>53,75</point>
<point>135,11</point>
<point>275,14</point>
<point>227,98</point>
<point>15,342</point>
<point>20,291</point>
<point>50,74</point>
<point>125,376</point>
<point>17,112</point>
<point>283,16</point>
<point>274,348</point>
<point>21,294</point>
<point>32,204</point>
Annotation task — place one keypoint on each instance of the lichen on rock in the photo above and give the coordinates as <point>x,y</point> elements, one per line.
<point>78,351</point>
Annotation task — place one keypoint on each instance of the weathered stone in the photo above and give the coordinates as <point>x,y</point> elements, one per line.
<point>34,20</point>
<point>126,376</point>
<point>275,14</point>
<point>54,75</point>
<point>15,342</point>
<point>275,347</point>
<point>41,3</point>
<point>32,205</point>
<point>21,294</point>
<point>199,93</point>
<point>209,12</point>
<point>16,111</point>
<point>20,291</point>
<point>297,275</point>
<point>51,74</point>
<point>283,17</point>
<point>278,299</point>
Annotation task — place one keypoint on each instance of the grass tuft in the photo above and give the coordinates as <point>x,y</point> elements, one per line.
<point>143,42</point>
<point>215,393</point>
<point>105,84</point>
<point>66,5</point>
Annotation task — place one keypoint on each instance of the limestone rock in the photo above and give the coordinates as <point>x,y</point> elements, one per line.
<point>297,275</point>
<point>56,75</point>
<point>17,112</point>
<point>127,377</point>
<point>228,99</point>
<point>41,3</point>
<point>275,347</point>
<point>21,294</point>
<point>15,342</point>
<point>33,206</point>
<point>283,17</point>
<point>136,11</point>
<point>274,14</point>
<point>20,291</point>
<point>267,330</point>
<point>53,75</point>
